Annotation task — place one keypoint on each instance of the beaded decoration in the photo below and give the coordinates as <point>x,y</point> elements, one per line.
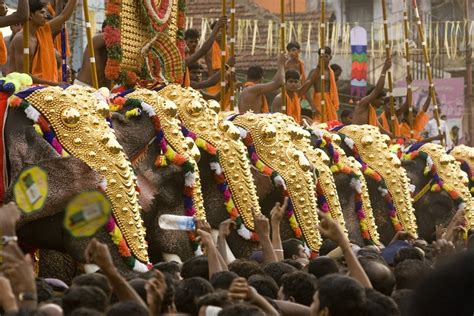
<point>465,155</point>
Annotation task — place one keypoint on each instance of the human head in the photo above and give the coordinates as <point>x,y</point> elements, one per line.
<point>379,274</point>
<point>276,270</point>
<point>218,298</point>
<point>94,279</point>
<point>138,286</point>
<point>43,290</point>
<point>84,296</point>
<point>298,287</point>
<point>255,74</point>
<point>402,298</point>
<point>346,117</point>
<point>171,267</point>
<point>293,249</point>
<point>379,304</point>
<point>195,267</point>
<point>339,295</point>
<point>37,12</point>
<point>455,130</point>
<point>379,100</point>
<point>245,268</point>
<point>127,308</point>
<point>264,285</point>
<point>15,28</point>
<point>292,78</point>
<point>409,273</point>
<point>322,266</point>
<point>327,54</point>
<point>241,309</point>
<point>219,34</point>
<point>406,253</point>
<point>84,311</point>
<point>223,279</point>
<point>191,36</point>
<point>337,71</point>
<point>195,72</point>
<point>187,293</point>
<point>293,49</point>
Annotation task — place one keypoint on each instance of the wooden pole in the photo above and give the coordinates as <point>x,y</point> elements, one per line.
<point>388,53</point>
<point>322,44</point>
<point>468,101</point>
<point>282,50</point>
<point>429,72</point>
<point>26,47</point>
<point>232,51</point>
<point>90,44</point>
<point>406,28</point>
<point>223,55</point>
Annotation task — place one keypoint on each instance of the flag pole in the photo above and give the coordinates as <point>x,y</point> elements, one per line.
<point>223,55</point>
<point>90,44</point>
<point>406,29</point>
<point>282,50</point>
<point>322,44</point>
<point>232,52</point>
<point>388,53</point>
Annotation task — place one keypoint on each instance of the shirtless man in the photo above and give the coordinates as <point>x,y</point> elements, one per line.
<point>84,77</point>
<point>42,53</point>
<point>364,112</point>
<point>253,96</point>
<point>193,54</point>
<point>20,16</point>
<point>293,49</point>
<point>293,105</point>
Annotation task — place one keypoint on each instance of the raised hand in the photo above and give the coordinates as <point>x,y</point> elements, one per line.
<point>226,227</point>
<point>155,293</point>
<point>278,211</point>
<point>262,226</point>
<point>98,253</point>
<point>331,229</point>
<point>7,298</point>
<point>18,268</point>
<point>9,215</point>
<point>387,65</point>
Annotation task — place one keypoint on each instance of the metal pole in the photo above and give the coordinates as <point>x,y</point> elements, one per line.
<point>408,61</point>
<point>90,44</point>
<point>223,55</point>
<point>282,50</point>
<point>388,53</point>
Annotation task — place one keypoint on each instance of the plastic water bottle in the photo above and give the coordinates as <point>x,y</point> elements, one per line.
<point>176,222</point>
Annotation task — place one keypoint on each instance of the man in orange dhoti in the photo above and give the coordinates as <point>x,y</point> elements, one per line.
<point>293,105</point>
<point>213,60</point>
<point>20,16</point>
<point>419,123</point>
<point>365,109</point>
<point>42,52</point>
<point>294,62</point>
<point>253,96</point>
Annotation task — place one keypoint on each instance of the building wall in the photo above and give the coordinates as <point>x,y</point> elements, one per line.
<point>274,5</point>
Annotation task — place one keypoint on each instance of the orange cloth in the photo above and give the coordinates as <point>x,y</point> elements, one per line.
<point>332,100</point>
<point>418,126</point>
<point>3,51</point>
<point>216,65</point>
<point>187,79</point>
<point>293,107</point>
<point>57,39</point>
<point>386,126</point>
<point>44,58</point>
<point>302,73</point>
<point>264,108</point>
<point>372,118</point>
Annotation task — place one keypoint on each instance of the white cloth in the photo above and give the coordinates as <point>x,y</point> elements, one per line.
<point>431,130</point>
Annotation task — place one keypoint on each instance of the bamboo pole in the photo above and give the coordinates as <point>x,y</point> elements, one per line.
<point>322,44</point>
<point>90,44</point>
<point>26,47</point>
<point>388,53</point>
<point>282,50</point>
<point>232,51</point>
<point>406,29</point>
<point>468,103</point>
<point>223,54</point>
<point>429,72</point>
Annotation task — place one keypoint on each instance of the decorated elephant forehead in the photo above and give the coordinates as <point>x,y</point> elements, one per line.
<point>373,150</point>
<point>450,172</point>
<point>84,133</point>
<point>464,153</point>
<point>274,147</point>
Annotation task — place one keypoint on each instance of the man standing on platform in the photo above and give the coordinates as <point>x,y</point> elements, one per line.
<point>293,105</point>
<point>43,64</point>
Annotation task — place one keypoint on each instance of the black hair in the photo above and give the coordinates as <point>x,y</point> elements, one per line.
<point>195,66</point>
<point>295,263</point>
<point>299,285</point>
<point>187,293</point>
<point>292,74</point>
<point>245,268</point>
<point>336,67</point>
<point>264,285</point>
<point>342,295</point>
<point>327,246</point>
<point>223,279</point>
<point>195,267</point>
<point>138,286</point>
<point>379,304</point>
<point>36,5</point>
<point>403,300</point>
<point>191,34</point>
<point>410,272</point>
<point>127,308</point>
<point>470,243</point>
<point>327,51</point>
<point>84,296</point>
<point>406,253</point>
<point>94,279</point>
<point>44,291</point>
<point>346,113</point>
<point>241,309</point>
<point>291,247</point>
<point>379,274</point>
<point>322,266</point>
<point>276,270</point>
<point>255,73</point>
<point>84,311</point>
<point>171,267</point>
<point>292,45</point>
<point>218,298</point>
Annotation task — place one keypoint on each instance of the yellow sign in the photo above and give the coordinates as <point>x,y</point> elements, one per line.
<point>86,214</point>
<point>31,189</point>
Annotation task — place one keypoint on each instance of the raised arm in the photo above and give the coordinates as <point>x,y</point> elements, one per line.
<point>20,16</point>
<point>209,82</point>
<point>277,214</point>
<point>207,45</point>
<point>277,81</point>
<point>427,104</point>
<point>57,23</point>
<point>378,87</point>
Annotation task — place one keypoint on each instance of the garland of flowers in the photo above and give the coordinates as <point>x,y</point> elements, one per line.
<point>44,129</point>
<point>438,183</point>
<point>168,154</point>
<point>374,175</point>
<point>467,169</point>
<point>222,185</point>
<point>324,142</point>
<point>180,42</point>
